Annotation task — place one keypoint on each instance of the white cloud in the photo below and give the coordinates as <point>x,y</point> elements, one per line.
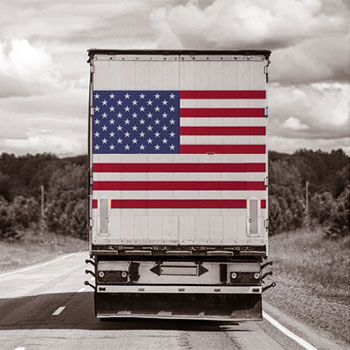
<point>294,124</point>
<point>26,69</point>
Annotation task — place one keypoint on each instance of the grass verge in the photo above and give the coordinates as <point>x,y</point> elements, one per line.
<point>313,280</point>
<point>31,250</point>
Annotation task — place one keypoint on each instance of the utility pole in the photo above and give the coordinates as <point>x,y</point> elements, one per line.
<point>42,213</point>
<point>307,206</point>
<point>42,201</point>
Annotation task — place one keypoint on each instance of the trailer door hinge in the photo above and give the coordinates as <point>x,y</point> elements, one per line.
<point>92,69</point>
<point>92,110</point>
<point>266,72</point>
<point>266,181</point>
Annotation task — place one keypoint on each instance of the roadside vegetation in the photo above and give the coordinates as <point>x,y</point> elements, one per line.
<point>312,278</point>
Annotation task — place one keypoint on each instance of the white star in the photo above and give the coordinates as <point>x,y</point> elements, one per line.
<point>172,96</point>
<point>111,109</point>
<point>142,122</point>
<point>104,141</point>
<point>157,121</point>
<point>111,147</point>
<point>111,121</point>
<point>142,147</point>
<point>149,140</point>
<point>142,109</point>
<point>127,134</point>
<point>142,134</point>
<point>172,147</point>
<point>149,127</point>
<point>142,96</point>
<point>172,109</point>
<point>172,121</point>
<point>127,121</point>
<point>104,102</point>
<point>127,147</point>
<point>119,102</point>
<point>165,102</point>
<point>165,140</point>
<point>149,115</point>
<point>127,96</point>
<point>104,115</point>
<point>111,134</point>
<point>134,115</point>
<point>157,134</point>
<point>119,128</point>
<point>149,102</point>
<point>172,134</point>
<point>111,96</point>
<point>157,147</point>
<point>157,109</point>
<point>164,115</point>
<point>97,109</point>
<point>134,103</point>
<point>157,96</point>
<point>119,140</point>
<point>97,134</point>
<point>97,96</point>
<point>165,128</point>
<point>127,109</point>
<point>134,128</point>
<point>97,121</point>
<point>104,128</point>
<point>134,140</point>
<point>97,147</point>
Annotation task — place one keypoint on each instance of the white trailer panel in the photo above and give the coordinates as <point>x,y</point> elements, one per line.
<point>220,198</point>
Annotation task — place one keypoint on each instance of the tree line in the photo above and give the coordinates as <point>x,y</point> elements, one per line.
<point>66,186</point>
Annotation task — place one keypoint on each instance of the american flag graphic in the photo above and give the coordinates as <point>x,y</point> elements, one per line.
<point>153,148</point>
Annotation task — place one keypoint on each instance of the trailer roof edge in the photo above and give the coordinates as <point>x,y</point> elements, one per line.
<point>244,52</point>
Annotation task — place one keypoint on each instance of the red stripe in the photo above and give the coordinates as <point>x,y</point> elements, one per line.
<point>178,185</point>
<point>263,204</point>
<point>223,149</point>
<point>223,130</point>
<point>94,204</point>
<point>222,112</point>
<point>178,203</point>
<point>178,167</point>
<point>224,94</point>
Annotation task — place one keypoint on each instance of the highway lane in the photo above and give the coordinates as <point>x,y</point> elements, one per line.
<point>48,307</point>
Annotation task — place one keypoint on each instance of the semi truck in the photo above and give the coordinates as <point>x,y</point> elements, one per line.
<point>178,214</point>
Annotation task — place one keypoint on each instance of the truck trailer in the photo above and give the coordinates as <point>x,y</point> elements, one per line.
<point>178,214</point>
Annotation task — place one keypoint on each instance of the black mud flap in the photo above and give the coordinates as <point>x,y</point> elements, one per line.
<point>229,307</point>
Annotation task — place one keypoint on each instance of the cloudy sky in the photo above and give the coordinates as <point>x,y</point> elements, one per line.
<point>44,74</point>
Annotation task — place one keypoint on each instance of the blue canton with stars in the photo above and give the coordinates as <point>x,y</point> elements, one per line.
<point>136,122</point>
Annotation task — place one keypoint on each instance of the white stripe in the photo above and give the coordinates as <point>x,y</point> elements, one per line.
<point>179,194</point>
<point>81,290</point>
<point>288,333</point>
<point>36,266</point>
<point>222,103</point>
<point>166,213</point>
<point>179,158</point>
<point>20,348</point>
<point>179,176</point>
<point>58,311</point>
<point>222,140</point>
<point>223,121</point>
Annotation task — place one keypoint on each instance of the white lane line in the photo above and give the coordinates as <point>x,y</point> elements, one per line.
<point>288,333</point>
<point>58,311</point>
<point>36,266</point>
<point>92,279</point>
<point>81,290</point>
<point>20,348</point>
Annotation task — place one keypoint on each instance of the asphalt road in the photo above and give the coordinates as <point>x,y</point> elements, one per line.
<point>47,307</point>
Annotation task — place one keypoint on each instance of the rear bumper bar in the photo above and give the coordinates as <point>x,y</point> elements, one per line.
<point>184,289</point>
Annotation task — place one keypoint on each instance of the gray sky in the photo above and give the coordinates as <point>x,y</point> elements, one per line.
<point>44,74</point>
